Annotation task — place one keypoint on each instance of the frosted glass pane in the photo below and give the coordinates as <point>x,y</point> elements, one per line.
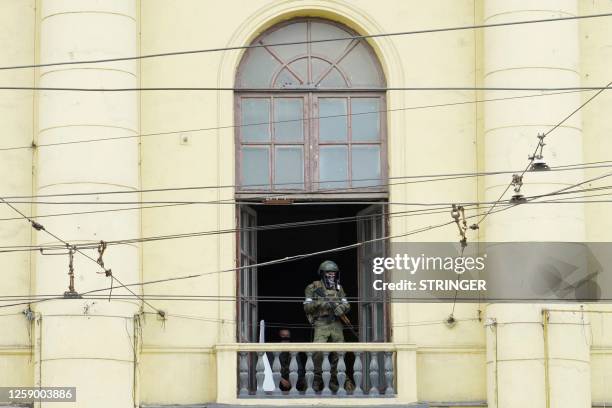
<point>289,167</point>
<point>257,70</point>
<point>366,166</point>
<point>288,109</point>
<point>318,68</point>
<point>255,111</point>
<point>365,126</point>
<point>333,80</point>
<point>329,50</point>
<point>255,167</point>
<point>360,66</point>
<point>290,33</point>
<point>300,67</point>
<point>286,80</point>
<point>332,128</point>
<point>333,166</point>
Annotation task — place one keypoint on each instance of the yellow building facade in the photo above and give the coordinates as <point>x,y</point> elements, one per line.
<point>121,351</point>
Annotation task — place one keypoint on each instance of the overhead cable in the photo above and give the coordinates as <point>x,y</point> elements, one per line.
<point>292,90</point>
<point>40,227</point>
<point>427,178</point>
<point>144,207</point>
<point>301,256</point>
<point>354,37</point>
<point>261,201</point>
<point>242,125</point>
<point>533,156</point>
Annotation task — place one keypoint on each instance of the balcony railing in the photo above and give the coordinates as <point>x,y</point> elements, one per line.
<point>318,370</point>
<point>333,371</point>
<point>331,366</point>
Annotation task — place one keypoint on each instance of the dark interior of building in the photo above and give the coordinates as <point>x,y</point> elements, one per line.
<point>291,278</point>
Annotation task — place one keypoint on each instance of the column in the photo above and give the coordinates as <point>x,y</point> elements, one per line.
<point>17,47</point>
<point>88,343</point>
<point>523,368</point>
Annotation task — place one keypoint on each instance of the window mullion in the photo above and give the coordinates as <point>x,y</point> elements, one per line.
<point>309,50</point>
<point>312,139</point>
<point>307,143</point>
<point>349,140</point>
<point>272,144</point>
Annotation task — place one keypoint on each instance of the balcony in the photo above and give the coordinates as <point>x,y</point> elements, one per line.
<point>342,372</point>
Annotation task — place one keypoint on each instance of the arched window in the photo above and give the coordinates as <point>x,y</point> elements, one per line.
<point>310,116</point>
<point>310,121</point>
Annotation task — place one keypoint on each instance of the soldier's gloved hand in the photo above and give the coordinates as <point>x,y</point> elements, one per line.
<point>320,304</point>
<point>339,310</point>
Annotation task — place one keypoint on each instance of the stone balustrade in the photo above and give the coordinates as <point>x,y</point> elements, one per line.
<point>317,370</point>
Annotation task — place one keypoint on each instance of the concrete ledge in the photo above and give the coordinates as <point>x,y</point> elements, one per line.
<point>14,405</point>
<point>254,347</point>
<point>319,404</point>
<point>175,406</point>
<point>15,350</point>
<point>314,404</point>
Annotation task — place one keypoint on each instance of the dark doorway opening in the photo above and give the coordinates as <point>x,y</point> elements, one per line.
<point>291,278</point>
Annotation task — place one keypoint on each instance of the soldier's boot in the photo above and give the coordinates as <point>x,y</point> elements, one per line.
<point>349,386</point>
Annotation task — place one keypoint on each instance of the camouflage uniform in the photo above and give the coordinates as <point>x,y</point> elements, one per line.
<point>323,308</point>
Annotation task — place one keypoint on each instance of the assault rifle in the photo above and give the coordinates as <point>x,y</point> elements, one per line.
<point>333,304</point>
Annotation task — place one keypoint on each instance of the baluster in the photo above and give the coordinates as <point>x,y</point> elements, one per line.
<point>341,374</point>
<point>276,374</point>
<point>389,373</point>
<point>374,375</point>
<point>357,374</point>
<point>259,373</point>
<point>293,373</point>
<point>244,374</point>
<point>326,367</point>
<point>309,374</point>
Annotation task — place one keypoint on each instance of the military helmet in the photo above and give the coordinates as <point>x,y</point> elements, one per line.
<point>328,266</point>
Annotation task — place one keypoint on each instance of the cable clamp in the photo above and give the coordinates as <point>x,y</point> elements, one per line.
<point>37,226</point>
<point>537,159</point>
<point>517,182</point>
<point>101,249</point>
<point>459,212</point>
<point>455,213</point>
<point>71,293</point>
<point>29,314</point>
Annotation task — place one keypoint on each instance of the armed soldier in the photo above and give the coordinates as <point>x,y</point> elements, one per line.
<point>325,305</point>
